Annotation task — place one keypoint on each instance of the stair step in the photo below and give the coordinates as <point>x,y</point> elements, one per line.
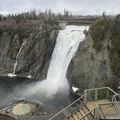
<point>79,115</point>
<point>71,118</point>
<point>86,110</point>
<point>75,117</point>
<point>87,107</point>
<point>83,114</point>
<point>87,118</point>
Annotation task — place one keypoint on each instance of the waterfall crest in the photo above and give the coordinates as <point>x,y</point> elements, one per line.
<point>66,46</point>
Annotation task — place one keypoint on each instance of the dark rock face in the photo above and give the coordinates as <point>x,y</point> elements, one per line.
<point>90,68</point>
<point>35,55</point>
<point>97,62</point>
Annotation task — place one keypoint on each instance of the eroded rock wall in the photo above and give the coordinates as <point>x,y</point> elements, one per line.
<point>35,55</point>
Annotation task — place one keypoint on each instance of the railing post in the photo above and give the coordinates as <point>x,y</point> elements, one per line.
<point>85,97</point>
<point>116,103</point>
<point>96,94</point>
<point>97,113</point>
<point>107,94</point>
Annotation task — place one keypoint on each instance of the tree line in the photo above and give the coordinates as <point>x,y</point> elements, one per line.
<point>47,15</point>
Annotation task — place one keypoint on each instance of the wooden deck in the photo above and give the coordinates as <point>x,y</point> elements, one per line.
<point>105,105</point>
<point>107,108</point>
<point>95,104</point>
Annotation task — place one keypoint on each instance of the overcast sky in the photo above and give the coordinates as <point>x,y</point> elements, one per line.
<point>83,7</point>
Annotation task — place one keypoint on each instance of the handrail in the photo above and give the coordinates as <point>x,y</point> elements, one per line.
<point>66,107</point>
<point>112,91</point>
<point>66,112</point>
<point>94,93</point>
<point>114,96</point>
<point>96,88</point>
<point>101,89</point>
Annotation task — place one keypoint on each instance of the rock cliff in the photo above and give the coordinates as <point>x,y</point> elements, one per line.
<point>94,64</point>
<point>35,54</point>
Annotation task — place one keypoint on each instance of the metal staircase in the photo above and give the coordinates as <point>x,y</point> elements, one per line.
<point>95,104</point>
<point>82,114</point>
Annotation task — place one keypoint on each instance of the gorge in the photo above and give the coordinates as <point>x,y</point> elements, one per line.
<point>48,65</point>
<point>92,65</point>
<point>35,56</point>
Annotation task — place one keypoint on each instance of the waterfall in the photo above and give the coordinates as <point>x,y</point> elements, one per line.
<point>15,64</point>
<point>66,46</point>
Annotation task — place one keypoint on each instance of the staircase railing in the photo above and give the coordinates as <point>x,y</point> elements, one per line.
<point>89,95</point>
<point>66,112</point>
<point>116,102</point>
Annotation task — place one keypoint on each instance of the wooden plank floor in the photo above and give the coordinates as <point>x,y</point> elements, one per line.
<point>105,107</point>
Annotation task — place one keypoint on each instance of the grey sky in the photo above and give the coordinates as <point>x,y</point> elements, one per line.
<point>75,6</point>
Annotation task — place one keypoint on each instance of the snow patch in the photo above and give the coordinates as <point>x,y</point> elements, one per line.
<point>29,76</point>
<point>75,89</point>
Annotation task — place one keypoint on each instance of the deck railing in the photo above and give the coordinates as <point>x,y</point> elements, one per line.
<point>89,95</point>
<point>99,93</point>
<point>113,112</point>
<point>66,112</point>
<point>116,102</point>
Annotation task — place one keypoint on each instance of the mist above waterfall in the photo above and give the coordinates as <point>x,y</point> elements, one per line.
<point>66,46</point>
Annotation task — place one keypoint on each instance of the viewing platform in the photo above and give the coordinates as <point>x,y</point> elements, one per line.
<point>96,104</point>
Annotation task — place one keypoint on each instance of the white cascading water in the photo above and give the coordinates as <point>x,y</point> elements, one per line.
<point>15,64</point>
<point>66,46</point>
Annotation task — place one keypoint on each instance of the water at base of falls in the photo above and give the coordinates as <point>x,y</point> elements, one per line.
<point>66,46</point>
